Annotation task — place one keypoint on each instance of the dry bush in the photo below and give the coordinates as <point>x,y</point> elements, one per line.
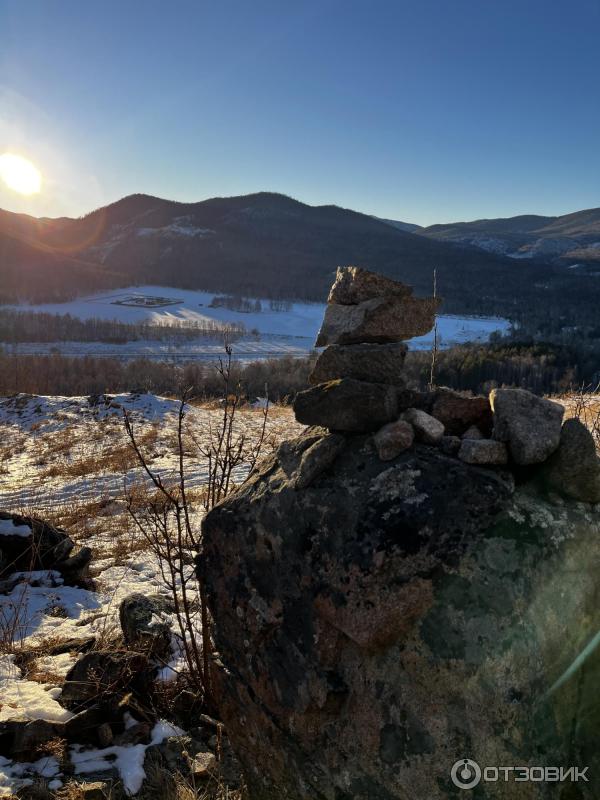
<point>163,516</point>
<point>13,623</point>
<point>163,784</point>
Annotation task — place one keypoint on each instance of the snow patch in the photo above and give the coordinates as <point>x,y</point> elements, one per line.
<point>17,775</point>
<point>23,699</point>
<point>127,759</point>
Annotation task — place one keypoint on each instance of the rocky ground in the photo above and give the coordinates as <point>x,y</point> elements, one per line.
<point>68,461</point>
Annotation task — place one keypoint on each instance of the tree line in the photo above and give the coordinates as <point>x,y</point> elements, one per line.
<point>539,367</point>
<point>65,375</point>
<point>32,326</point>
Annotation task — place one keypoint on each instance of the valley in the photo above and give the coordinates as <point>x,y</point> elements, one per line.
<point>259,334</point>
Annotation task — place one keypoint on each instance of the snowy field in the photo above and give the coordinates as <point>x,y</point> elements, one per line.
<point>68,460</point>
<point>280,333</point>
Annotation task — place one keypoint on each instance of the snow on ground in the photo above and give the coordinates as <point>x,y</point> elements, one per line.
<point>290,332</point>
<point>68,460</point>
<point>16,775</point>
<point>59,450</point>
<point>27,699</point>
<point>129,759</point>
<point>303,319</point>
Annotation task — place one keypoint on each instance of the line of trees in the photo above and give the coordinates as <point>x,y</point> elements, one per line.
<point>235,302</point>
<point>63,375</point>
<point>541,368</point>
<point>32,326</point>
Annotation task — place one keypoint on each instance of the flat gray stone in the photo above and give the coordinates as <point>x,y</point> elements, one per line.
<point>354,285</point>
<point>347,405</point>
<point>381,319</point>
<point>530,425</point>
<point>378,363</point>
<point>483,451</point>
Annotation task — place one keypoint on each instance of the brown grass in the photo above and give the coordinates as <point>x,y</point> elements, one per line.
<point>584,406</point>
<point>120,458</point>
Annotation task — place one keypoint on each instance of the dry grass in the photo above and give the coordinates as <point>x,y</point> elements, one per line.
<point>116,459</point>
<point>584,406</point>
<point>161,783</point>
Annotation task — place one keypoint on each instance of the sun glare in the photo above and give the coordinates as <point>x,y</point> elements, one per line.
<point>20,174</point>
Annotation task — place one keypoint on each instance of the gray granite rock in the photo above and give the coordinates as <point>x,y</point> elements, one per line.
<point>573,470</point>
<point>483,451</point>
<point>393,439</point>
<point>347,405</point>
<point>381,319</point>
<point>354,285</point>
<point>378,363</point>
<point>530,425</point>
<point>427,429</point>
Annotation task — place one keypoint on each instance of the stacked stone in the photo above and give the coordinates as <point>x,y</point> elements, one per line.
<point>359,382</point>
<point>359,388</point>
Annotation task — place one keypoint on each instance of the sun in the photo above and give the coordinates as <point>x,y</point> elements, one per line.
<point>20,174</point>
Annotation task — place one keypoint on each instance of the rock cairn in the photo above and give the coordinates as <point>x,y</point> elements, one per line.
<point>359,387</point>
<point>403,585</point>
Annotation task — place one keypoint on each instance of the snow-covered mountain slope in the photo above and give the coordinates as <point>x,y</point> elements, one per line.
<point>552,239</point>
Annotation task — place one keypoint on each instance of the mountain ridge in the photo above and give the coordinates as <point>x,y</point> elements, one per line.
<point>261,244</point>
<point>555,239</point>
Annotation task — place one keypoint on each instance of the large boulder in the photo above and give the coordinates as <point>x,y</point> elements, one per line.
<point>392,618</point>
<point>354,285</point>
<point>382,319</point>
<point>377,363</point>
<point>530,425</point>
<point>574,469</point>
<point>347,405</point>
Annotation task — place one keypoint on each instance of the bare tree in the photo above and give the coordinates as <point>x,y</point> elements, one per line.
<point>162,515</point>
<point>227,446</point>
<point>434,349</point>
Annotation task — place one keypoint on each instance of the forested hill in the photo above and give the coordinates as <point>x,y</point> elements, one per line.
<point>266,245</point>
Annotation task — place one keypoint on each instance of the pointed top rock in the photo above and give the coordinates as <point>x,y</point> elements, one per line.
<point>353,285</point>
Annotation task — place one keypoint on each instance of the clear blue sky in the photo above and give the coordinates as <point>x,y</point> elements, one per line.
<point>427,111</point>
